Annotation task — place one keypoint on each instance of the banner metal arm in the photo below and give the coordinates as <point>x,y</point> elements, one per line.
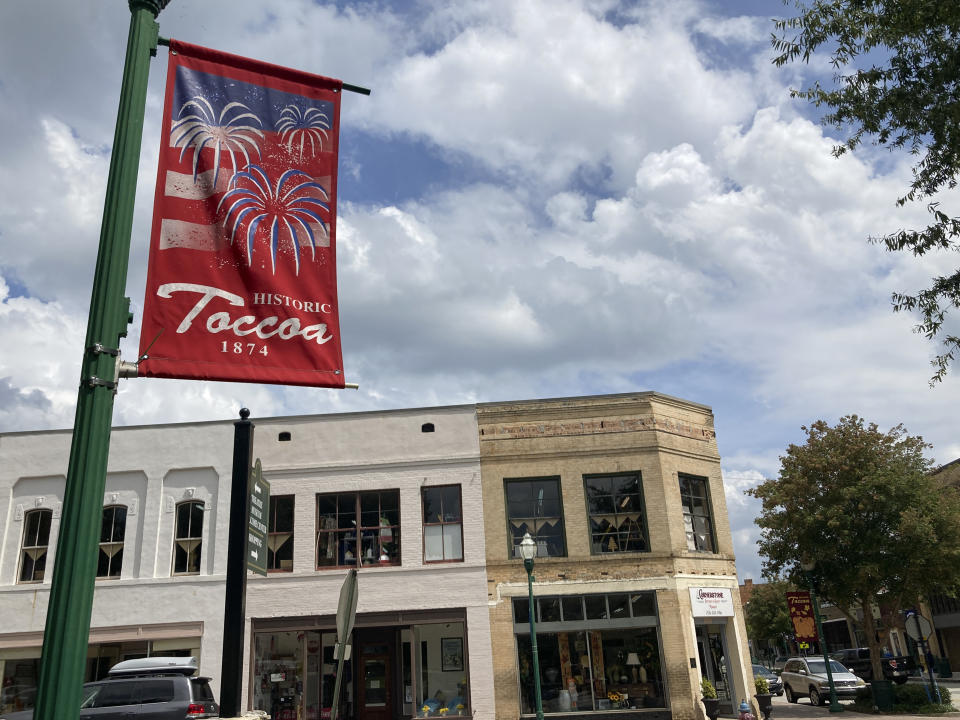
<point>346,86</point>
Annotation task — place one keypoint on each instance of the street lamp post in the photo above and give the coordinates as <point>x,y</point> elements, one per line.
<point>807,565</point>
<point>528,551</point>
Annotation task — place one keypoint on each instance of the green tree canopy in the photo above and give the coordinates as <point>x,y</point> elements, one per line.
<point>767,614</point>
<point>862,507</point>
<point>896,82</point>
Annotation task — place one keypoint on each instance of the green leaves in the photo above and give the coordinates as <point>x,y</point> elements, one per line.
<point>907,95</point>
<point>860,503</point>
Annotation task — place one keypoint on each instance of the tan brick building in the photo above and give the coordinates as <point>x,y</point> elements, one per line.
<point>635,584</point>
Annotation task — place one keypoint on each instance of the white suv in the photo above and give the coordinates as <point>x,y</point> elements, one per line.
<point>807,677</point>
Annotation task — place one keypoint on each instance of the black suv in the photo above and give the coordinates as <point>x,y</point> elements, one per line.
<point>160,688</point>
<point>858,660</point>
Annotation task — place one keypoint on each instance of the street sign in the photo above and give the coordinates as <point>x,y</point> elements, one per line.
<point>346,614</point>
<point>918,627</point>
<point>347,607</point>
<point>258,514</point>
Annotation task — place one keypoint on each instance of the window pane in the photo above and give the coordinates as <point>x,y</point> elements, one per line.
<point>451,503</point>
<point>549,609</point>
<point>432,507</point>
<point>281,513</point>
<point>596,607</point>
<point>572,608</point>
<point>196,519</point>
<point>521,610</point>
<point>644,604</point>
<point>43,530</point>
<point>433,542</point>
<point>618,607</point>
<point>452,542</point>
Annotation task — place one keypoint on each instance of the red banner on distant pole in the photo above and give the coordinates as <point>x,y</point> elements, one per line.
<point>242,281</point>
<point>801,612</point>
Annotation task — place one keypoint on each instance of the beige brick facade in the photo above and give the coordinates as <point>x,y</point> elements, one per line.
<point>657,435</point>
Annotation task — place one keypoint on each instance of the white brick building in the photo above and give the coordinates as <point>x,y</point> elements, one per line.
<point>396,494</point>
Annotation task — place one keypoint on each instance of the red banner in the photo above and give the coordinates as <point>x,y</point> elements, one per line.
<point>242,280</point>
<point>801,612</point>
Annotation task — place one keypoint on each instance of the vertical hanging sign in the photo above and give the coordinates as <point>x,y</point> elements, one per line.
<point>258,514</point>
<point>801,613</point>
<point>242,280</point>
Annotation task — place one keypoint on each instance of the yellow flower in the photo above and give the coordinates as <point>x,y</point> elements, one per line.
<point>459,706</point>
<point>443,710</point>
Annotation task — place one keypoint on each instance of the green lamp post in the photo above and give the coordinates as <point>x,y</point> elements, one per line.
<point>67,629</point>
<point>807,564</point>
<point>528,551</point>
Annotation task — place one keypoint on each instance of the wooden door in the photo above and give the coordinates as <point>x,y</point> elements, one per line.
<point>375,681</point>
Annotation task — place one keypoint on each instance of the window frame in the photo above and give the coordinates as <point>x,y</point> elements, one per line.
<point>271,522</point>
<point>513,553</point>
<point>39,513</point>
<point>644,527</point>
<point>442,523</point>
<point>708,502</point>
<point>358,529</point>
<point>112,542</point>
<point>176,512</point>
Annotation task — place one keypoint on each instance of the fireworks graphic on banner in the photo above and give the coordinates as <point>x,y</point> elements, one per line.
<point>298,128</point>
<point>292,208</point>
<point>199,126</point>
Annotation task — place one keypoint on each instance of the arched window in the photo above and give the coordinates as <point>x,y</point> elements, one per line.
<point>36,539</point>
<point>187,538</point>
<point>112,530</point>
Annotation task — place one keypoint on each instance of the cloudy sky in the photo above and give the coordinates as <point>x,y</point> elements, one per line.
<point>541,198</point>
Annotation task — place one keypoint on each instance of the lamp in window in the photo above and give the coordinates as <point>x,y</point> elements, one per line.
<point>633,661</point>
<point>528,551</point>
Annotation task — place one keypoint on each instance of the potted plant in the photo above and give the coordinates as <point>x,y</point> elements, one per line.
<point>764,698</point>
<point>711,703</point>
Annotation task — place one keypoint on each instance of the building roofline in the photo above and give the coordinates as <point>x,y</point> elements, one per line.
<point>274,419</point>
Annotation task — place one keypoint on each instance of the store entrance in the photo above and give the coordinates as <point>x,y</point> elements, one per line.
<point>376,694</point>
<point>712,648</point>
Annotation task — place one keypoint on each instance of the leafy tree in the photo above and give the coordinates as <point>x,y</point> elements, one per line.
<point>767,614</point>
<point>897,64</point>
<point>861,505</point>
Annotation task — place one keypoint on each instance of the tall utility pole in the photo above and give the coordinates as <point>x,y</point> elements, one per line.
<point>67,630</point>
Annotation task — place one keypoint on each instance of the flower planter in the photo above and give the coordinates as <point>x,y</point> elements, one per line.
<point>765,703</point>
<point>711,707</point>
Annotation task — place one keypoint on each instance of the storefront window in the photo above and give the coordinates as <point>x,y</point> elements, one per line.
<point>442,688</point>
<point>362,527</point>
<point>586,665</point>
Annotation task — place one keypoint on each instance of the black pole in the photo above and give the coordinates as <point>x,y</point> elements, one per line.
<point>234,604</point>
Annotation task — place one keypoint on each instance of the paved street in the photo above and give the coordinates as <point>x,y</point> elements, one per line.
<point>803,709</point>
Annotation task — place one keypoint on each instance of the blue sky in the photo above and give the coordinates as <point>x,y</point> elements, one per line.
<point>541,198</point>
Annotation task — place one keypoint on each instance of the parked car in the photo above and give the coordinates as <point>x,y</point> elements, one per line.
<point>158,688</point>
<point>857,660</point>
<point>773,680</point>
<point>807,677</point>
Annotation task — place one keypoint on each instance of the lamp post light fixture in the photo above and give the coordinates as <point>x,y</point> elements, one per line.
<point>807,565</point>
<point>528,551</point>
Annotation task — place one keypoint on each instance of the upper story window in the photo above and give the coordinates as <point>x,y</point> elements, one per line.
<point>442,524</point>
<point>534,506</point>
<point>615,507</point>
<point>188,538</point>
<point>36,539</point>
<point>697,521</point>
<point>358,529</point>
<point>280,534</point>
<point>112,529</point>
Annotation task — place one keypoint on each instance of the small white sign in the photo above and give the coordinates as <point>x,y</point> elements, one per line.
<point>711,602</point>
